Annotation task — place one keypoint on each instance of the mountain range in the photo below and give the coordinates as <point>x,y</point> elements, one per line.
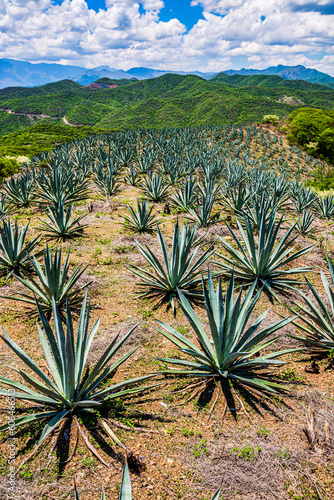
<point>14,73</point>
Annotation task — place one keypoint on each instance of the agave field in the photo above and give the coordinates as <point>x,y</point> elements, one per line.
<point>167,313</point>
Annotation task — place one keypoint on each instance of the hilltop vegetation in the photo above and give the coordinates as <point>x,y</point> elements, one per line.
<point>168,101</point>
<point>41,137</point>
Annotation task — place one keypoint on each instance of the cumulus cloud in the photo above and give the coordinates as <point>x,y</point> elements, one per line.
<point>125,33</point>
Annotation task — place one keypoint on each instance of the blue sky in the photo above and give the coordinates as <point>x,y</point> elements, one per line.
<point>180,9</point>
<point>203,35</point>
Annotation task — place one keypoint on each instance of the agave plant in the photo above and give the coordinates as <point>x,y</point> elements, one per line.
<point>318,318</point>
<point>20,190</point>
<point>303,199</point>
<point>154,188</point>
<point>106,181</point>
<point>131,177</point>
<point>185,197</point>
<point>280,191</point>
<point>304,224</point>
<point>325,207</point>
<point>4,209</point>
<point>61,227</point>
<point>14,250</point>
<point>54,283</point>
<point>62,185</point>
<point>231,351</point>
<point>140,221</point>
<point>202,212</point>
<point>263,263</point>
<point>236,198</point>
<point>180,273</point>
<point>69,388</point>
<point>146,162</point>
<point>259,207</point>
<point>174,175</point>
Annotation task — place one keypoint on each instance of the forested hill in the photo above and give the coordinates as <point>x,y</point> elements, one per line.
<point>168,101</point>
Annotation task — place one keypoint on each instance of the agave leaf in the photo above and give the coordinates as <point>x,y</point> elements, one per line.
<point>125,491</point>
<point>180,271</point>
<point>232,353</point>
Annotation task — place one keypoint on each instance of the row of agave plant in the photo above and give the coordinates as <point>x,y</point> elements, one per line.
<point>210,185</point>
<point>259,265</point>
<point>229,351</point>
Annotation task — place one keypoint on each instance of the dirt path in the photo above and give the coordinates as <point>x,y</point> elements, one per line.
<point>70,124</point>
<point>31,116</point>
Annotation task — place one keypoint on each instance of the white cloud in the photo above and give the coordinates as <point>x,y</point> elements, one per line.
<point>252,31</point>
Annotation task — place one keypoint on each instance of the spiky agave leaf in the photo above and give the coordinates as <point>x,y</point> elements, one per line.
<point>304,225</point>
<point>231,349</point>
<point>61,227</point>
<point>20,190</point>
<point>14,250</point>
<point>106,180</point>
<point>62,185</point>
<point>140,221</point>
<point>325,207</point>
<point>179,271</point>
<point>126,490</point>
<point>154,188</point>
<point>201,214</point>
<point>4,208</point>
<point>256,207</point>
<point>185,197</point>
<point>67,390</point>
<point>318,318</point>
<point>53,283</point>
<point>262,262</point>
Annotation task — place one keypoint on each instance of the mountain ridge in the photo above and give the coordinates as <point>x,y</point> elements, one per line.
<point>15,73</point>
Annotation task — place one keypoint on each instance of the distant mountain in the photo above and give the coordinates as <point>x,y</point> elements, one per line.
<point>91,75</point>
<point>15,73</point>
<point>269,81</point>
<point>25,74</point>
<point>288,73</point>
<point>144,73</point>
<point>21,73</point>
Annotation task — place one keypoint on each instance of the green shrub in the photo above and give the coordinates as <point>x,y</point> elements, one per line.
<point>313,129</point>
<point>271,119</point>
<point>323,179</point>
<point>8,167</point>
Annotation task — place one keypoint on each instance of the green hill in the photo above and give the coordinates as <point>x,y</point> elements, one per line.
<point>119,83</point>
<point>269,81</point>
<point>168,101</point>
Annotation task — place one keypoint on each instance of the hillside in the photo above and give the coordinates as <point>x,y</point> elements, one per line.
<point>270,81</point>
<point>168,101</point>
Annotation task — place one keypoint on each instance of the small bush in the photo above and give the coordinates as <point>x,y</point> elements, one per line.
<point>271,119</point>
<point>8,167</point>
